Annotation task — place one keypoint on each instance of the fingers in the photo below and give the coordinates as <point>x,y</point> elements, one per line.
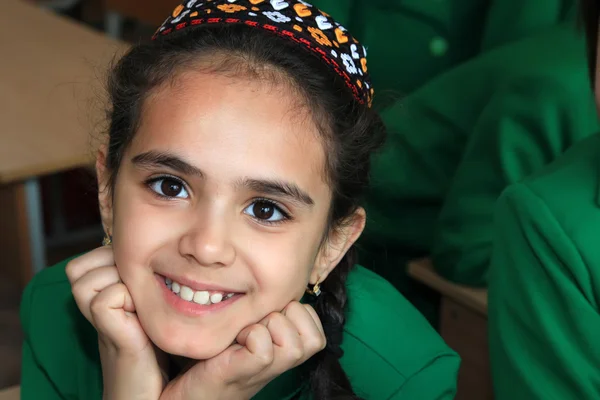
<point>307,324</point>
<point>253,354</point>
<point>315,318</point>
<point>87,287</point>
<point>106,302</point>
<point>263,351</point>
<point>288,346</point>
<point>78,267</point>
<point>288,340</point>
<point>106,310</point>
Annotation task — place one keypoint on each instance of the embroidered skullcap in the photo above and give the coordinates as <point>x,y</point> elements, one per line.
<point>297,21</point>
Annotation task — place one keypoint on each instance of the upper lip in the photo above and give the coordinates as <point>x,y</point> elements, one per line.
<point>200,286</point>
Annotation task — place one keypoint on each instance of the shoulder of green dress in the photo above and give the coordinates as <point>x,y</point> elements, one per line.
<point>52,275</point>
<point>386,340</point>
<point>48,298</point>
<point>62,343</point>
<point>48,308</point>
<point>570,183</point>
<point>568,189</point>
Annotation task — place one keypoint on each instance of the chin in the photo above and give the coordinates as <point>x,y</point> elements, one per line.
<point>195,343</point>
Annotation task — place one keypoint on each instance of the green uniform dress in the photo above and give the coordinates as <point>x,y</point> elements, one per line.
<point>390,350</point>
<point>544,292</point>
<point>481,106</point>
<point>412,41</point>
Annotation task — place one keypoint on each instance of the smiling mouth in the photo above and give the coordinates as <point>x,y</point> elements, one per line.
<point>201,297</point>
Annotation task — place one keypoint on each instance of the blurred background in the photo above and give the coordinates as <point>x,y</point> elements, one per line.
<point>459,84</point>
<point>62,186</point>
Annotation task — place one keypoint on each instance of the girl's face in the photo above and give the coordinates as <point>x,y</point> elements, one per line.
<point>221,197</point>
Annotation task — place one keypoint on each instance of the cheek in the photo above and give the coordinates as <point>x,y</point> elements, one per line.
<point>140,229</point>
<point>282,264</point>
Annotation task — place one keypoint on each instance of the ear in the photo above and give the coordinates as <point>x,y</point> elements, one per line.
<point>337,244</point>
<point>104,194</point>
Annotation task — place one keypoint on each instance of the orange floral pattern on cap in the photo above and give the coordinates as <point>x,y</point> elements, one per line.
<point>177,10</point>
<point>231,8</point>
<point>292,20</point>
<point>319,36</point>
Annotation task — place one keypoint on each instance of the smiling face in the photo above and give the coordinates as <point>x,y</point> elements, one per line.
<point>222,190</point>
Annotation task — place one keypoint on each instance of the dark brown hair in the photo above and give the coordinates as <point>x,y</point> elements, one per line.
<point>590,15</point>
<point>351,133</point>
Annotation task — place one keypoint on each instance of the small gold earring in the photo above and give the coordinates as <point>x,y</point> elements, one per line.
<point>315,291</point>
<point>107,241</point>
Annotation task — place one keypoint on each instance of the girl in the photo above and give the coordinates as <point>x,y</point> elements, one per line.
<point>237,153</point>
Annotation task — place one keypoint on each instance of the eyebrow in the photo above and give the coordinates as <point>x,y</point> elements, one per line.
<point>153,159</point>
<point>277,188</point>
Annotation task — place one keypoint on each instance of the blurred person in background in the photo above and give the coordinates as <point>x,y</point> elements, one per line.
<point>476,95</point>
<point>544,296</point>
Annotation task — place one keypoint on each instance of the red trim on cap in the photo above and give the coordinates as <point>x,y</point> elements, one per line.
<point>285,34</point>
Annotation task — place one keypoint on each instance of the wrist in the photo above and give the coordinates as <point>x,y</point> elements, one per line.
<point>130,376</point>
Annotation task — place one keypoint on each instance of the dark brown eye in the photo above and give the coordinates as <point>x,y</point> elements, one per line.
<point>168,187</point>
<point>263,210</point>
<point>266,211</point>
<point>171,187</point>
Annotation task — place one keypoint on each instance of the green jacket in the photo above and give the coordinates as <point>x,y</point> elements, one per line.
<point>494,90</point>
<point>459,140</point>
<point>390,351</point>
<point>411,41</point>
<point>544,294</point>
<point>538,107</point>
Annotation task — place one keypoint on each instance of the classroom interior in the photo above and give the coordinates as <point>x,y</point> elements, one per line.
<point>48,203</point>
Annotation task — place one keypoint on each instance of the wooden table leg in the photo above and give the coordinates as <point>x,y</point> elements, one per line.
<point>21,231</point>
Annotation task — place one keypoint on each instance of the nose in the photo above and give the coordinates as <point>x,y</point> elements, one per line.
<point>207,242</point>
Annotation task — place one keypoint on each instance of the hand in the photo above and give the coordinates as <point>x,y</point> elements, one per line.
<point>130,362</point>
<point>262,352</point>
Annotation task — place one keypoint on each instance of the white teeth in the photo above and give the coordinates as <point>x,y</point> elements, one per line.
<point>216,298</point>
<point>202,298</point>
<point>175,287</point>
<point>186,293</point>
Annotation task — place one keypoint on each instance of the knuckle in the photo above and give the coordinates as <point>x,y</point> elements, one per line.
<point>71,268</point>
<point>77,291</point>
<point>308,307</point>
<point>292,305</point>
<point>264,358</point>
<point>276,317</point>
<point>322,342</point>
<point>295,353</point>
<point>292,308</point>
<point>316,343</point>
<point>97,305</point>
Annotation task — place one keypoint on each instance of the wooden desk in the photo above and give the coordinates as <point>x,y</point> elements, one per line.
<point>12,393</point>
<point>463,325</point>
<point>51,101</point>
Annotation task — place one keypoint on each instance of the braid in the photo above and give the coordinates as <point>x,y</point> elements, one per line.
<point>328,381</point>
